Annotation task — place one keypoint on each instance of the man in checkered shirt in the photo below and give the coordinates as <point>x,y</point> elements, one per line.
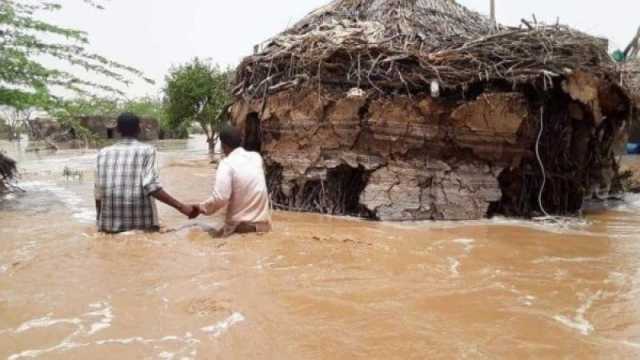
<point>127,184</point>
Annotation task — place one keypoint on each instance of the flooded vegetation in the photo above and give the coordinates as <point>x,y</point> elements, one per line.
<point>315,288</point>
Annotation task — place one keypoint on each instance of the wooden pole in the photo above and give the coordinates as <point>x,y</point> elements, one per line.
<point>634,46</point>
<point>493,10</point>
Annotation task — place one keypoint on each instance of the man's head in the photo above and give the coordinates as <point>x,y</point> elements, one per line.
<point>129,125</point>
<point>231,139</point>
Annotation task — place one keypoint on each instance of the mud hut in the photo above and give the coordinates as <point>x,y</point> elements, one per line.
<point>47,128</point>
<point>102,127</point>
<point>7,172</point>
<point>106,127</point>
<point>423,109</point>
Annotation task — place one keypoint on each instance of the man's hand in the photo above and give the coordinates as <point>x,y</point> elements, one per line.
<point>186,210</point>
<point>190,211</point>
<point>195,212</point>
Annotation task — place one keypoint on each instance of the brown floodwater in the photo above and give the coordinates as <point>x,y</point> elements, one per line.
<point>315,288</point>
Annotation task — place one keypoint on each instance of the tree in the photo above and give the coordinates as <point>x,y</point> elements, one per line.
<point>69,113</point>
<point>154,108</point>
<point>197,92</point>
<point>25,40</point>
<point>18,114</point>
<point>16,119</point>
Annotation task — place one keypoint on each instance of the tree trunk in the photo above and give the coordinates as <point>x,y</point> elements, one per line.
<point>212,138</point>
<point>212,141</point>
<point>212,144</point>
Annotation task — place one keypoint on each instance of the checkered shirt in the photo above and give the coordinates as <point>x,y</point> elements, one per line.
<point>126,176</point>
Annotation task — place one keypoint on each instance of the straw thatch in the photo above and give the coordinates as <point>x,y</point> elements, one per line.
<point>407,44</point>
<point>423,109</point>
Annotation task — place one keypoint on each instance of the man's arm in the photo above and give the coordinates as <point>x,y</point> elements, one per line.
<point>152,187</point>
<point>187,210</point>
<point>221,191</point>
<point>98,188</point>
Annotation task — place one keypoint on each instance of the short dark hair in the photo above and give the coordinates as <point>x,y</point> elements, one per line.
<point>231,137</point>
<point>129,124</point>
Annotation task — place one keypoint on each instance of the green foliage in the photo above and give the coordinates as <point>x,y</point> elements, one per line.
<point>154,108</point>
<point>68,113</point>
<point>197,92</point>
<point>25,39</point>
<point>145,107</point>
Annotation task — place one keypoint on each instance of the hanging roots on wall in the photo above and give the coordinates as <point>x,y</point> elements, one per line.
<point>337,194</point>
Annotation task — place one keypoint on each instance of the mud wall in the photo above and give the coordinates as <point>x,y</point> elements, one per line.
<point>401,157</point>
<point>106,127</point>
<point>634,132</point>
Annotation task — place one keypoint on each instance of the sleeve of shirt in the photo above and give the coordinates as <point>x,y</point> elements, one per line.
<point>221,191</point>
<point>150,175</point>
<point>98,182</point>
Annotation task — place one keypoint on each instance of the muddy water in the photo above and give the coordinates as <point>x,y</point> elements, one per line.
<point>315,288</point>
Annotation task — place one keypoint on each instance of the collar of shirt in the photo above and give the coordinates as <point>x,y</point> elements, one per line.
<point>127,141</point>
<point>239,151</point>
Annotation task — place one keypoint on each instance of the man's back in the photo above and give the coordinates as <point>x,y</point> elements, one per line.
<point>249,201</point>
<point>241,186</point>
<point>126,176</point>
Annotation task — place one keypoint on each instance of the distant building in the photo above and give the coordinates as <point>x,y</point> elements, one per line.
<point>106,127</point>
<point>42,128</point>
<point>103,127</point>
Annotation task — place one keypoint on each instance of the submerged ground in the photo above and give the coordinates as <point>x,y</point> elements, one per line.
<point>315,288</point>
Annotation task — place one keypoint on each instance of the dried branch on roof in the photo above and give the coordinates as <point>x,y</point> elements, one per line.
<point>396,45</point>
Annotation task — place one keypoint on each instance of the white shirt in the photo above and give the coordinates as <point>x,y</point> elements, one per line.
<point>241,186</point>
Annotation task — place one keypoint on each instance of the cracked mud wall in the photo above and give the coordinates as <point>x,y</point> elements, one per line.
<point>402,157</point>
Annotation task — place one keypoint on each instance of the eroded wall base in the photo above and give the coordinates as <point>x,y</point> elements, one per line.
<point>419,158</point>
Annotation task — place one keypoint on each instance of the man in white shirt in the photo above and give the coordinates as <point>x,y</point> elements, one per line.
<point>240,186</point>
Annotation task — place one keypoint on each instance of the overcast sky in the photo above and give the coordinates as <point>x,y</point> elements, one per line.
<point>154,34</point>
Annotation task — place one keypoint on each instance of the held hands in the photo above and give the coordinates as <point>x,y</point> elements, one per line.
<point>195,212</point>
<point>190,211</point>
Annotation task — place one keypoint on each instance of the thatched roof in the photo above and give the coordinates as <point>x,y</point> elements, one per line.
<point>407,44</point>
<point>419,23</point>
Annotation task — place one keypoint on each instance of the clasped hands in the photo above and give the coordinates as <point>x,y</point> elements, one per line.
<point>191,211</point>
